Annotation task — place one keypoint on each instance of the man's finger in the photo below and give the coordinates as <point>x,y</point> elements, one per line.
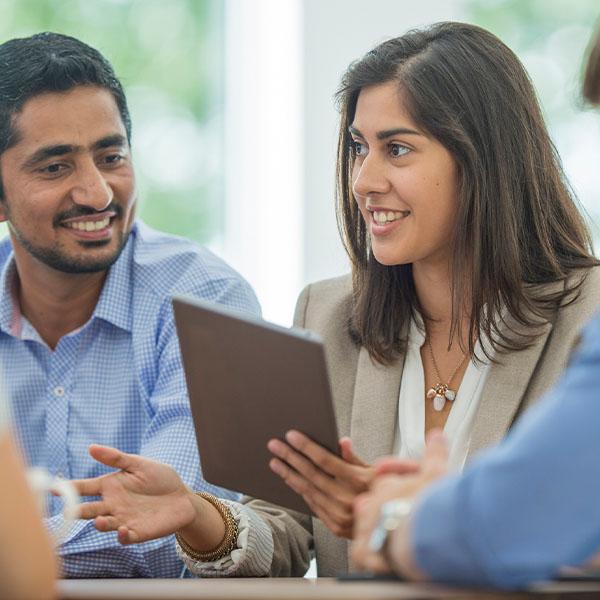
<point>91,510</point>
<point>111,457</point>
<point>88,487</point>
<point>366,514</point>
<point>106,523</point>
<point>396,466</point>
<point>127,536</point>
<point>435,459</point>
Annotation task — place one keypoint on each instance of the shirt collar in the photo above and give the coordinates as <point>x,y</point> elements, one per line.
<point>114,304</point>
<point>7,307</point>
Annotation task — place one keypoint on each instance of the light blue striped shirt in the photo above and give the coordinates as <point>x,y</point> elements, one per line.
<point>530,505</point>
<point>119,381</point>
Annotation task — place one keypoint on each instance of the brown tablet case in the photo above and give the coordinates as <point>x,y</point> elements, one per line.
<point>249,381</point>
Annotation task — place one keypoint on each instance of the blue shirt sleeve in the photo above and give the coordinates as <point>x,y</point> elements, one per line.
<point>530,505</point>
<point>169,438</point>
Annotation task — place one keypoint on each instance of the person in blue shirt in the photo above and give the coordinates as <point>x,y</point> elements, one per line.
<point>87,338</point>
<point>518,514</point>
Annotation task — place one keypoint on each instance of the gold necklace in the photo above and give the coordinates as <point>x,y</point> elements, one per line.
<point>441,391</point>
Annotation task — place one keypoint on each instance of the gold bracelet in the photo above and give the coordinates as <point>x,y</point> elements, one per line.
<point>229,540</point>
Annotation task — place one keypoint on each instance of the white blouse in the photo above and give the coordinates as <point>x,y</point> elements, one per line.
<point>410,432</point>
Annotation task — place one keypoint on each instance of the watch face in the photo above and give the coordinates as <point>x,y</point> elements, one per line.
<point>391,515</point>
<point>394,512</point>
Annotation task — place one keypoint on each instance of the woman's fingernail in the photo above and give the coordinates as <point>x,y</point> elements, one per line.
<point>293,437</point>
<point>276,466</point>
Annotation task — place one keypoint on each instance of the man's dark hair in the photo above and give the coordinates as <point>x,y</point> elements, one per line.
<point>50,62</point>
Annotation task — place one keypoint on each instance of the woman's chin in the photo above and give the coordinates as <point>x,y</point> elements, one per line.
<point>388,259</point>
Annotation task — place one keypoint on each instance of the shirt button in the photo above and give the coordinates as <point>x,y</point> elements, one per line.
<point>59,391</point>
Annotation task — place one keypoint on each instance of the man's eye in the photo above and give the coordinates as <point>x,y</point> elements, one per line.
<point>358,148</point>
<point>53,169</point>
<point>397,150</point>
<point>113,159</point>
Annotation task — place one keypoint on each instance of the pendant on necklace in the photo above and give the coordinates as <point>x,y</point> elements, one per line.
<point>440,393</point>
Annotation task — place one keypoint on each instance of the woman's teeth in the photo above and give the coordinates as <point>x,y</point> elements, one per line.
<point>381,217</point>
<point>89,225</point>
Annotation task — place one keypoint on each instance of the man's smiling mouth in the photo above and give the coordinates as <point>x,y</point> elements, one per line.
<point>88,225</point>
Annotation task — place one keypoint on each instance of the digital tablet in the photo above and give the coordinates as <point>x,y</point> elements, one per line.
<point>250,381</point>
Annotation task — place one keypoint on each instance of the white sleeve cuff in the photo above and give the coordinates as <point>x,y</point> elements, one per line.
<point>252,556</point>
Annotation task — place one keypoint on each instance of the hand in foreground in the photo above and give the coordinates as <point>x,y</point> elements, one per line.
<point>142,501</point>
<point>388,485</point>
<point>328,483</point>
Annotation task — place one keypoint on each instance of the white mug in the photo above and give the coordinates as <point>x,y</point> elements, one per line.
<point>42,482</point>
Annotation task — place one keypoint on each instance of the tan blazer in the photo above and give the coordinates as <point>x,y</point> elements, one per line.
<point>366,404</point>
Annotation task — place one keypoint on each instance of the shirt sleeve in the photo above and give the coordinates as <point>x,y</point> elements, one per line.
<point>530,505</point>
<point>252,555</point>
<point>169,438</point>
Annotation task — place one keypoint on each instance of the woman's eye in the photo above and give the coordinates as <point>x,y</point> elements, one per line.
<point>358,148</point>
<point>397,150</point>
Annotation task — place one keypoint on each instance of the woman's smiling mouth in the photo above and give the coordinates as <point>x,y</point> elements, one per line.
<point>381,217</point>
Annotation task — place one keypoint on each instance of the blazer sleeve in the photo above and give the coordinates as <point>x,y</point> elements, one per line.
<point>292,531</point>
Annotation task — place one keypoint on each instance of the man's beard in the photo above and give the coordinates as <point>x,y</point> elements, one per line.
<point>59,260</point>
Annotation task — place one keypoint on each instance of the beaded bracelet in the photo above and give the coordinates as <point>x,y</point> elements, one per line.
<point>229,539</point>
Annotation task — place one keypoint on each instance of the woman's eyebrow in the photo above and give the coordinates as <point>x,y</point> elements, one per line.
<point>386,133</point>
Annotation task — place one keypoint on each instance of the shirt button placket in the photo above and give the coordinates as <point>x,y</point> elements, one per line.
<point>57,415</point>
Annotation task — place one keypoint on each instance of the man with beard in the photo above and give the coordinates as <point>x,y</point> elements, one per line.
<point>87,338</point>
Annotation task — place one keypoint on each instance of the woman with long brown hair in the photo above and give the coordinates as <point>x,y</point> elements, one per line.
<point>472,273</point>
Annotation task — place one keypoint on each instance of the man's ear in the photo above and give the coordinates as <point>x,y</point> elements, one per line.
<point>3,215</point>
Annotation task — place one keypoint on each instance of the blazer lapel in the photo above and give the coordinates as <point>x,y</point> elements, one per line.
<point>504,390</point>
<point>375,407</point>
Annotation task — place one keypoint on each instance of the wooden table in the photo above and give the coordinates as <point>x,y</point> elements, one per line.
<point>302,589</point>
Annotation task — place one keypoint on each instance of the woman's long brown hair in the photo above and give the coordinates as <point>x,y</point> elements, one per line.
<point>518,224</point>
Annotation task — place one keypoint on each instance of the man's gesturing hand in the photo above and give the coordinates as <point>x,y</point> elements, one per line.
<point>142,501</point>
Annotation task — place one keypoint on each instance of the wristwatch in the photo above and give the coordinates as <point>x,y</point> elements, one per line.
<point>391,516</point>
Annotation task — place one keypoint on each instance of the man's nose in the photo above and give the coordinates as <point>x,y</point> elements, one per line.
<point>91,188</point>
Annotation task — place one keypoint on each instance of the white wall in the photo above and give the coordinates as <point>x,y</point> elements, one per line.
<point>336,32</point>
<point>285,60</point>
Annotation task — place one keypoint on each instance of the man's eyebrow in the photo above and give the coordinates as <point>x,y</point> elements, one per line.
<point>382,135</point>
<point>52,151</point>
<point>48,152</point>
<point>110,140</point>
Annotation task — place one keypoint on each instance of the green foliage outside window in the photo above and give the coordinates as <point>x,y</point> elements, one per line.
<point>550,37</point>
<point>168,54</point>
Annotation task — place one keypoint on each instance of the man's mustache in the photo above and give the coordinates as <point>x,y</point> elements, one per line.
<point>86,211</point>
